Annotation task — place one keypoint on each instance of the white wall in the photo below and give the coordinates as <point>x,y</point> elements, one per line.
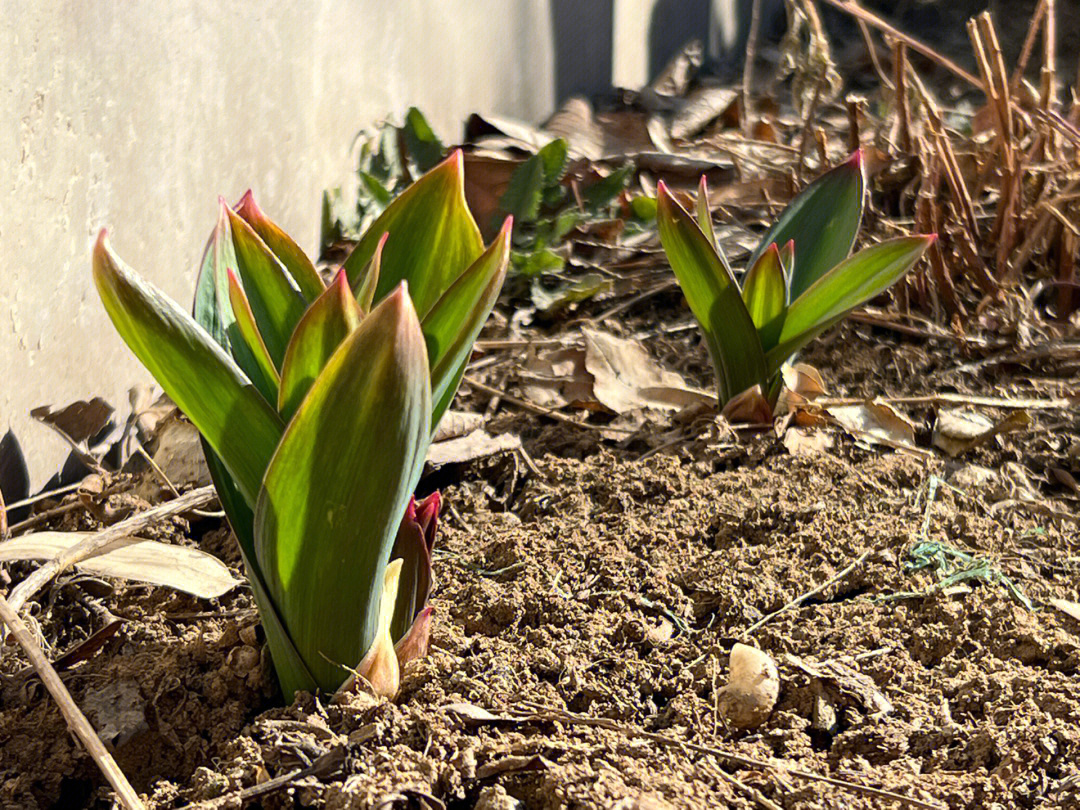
<point>137,114</point>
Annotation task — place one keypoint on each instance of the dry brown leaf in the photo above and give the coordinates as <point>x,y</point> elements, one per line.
<point>179,567</point>
<point>477,444</point>
<point>558,379</point>
<point>748,408</point>
<point>847,681</point>
<point>626,377</point>
<point>470,713</point>
<point>802,384</point>
<point>803,442</point>
<point>1070,609</point>
<point>455,424</point>
<point>874,422</point>
<point>514,764</point>
<point>79,422</point>
<point>957,431</point>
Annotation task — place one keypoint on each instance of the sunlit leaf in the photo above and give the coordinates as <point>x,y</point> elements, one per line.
<point>765,294</point>
<point>281,244</point>
<point>328,321</point>
<point>704,220</point>
<point>433,237</point>
<point>337,488</point>
<point>265,376</point>
<point>823,221</point>
<point>453,324</point>
<point>369,279</point>
<point>203,381</point>
<point>851,283</point>
<point>275,299</point>
<point>714,298</point>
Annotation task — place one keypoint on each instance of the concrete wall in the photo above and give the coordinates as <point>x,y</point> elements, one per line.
<point>136,114</point>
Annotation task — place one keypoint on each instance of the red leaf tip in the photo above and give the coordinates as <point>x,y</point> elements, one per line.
<point>856,158</point>
<point>661,188</point>
<point>247,205</point>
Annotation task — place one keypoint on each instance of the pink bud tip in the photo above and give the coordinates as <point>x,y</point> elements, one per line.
<point>661,188</point>
<point>856,158</point>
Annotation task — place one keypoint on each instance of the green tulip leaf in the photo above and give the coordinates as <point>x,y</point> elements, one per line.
<point>337,487</point>
<point>714,298</point>
<point>203,381</point>
<point>276,301</point>
<point>328,321</point>
<point>266,376</point>
<point>765,294</point>
<point>433,237</point>
<point>823,220</point>
<point>298,264</point>
<point>453,324</point>
<point>852,282</point>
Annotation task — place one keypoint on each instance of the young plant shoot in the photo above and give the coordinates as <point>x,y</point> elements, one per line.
<point>800,280</point>
<point>316,405</point>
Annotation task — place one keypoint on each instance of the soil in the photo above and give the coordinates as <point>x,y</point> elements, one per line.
<point>601,579</point>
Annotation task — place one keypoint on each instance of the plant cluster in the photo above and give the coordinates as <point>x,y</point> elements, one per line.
<point>316,404</point>
<point>799,280</point>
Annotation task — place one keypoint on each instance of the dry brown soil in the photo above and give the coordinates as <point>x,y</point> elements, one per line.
<point>610,586</point>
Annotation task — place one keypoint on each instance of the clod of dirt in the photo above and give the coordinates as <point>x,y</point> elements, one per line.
<point>752,688</point>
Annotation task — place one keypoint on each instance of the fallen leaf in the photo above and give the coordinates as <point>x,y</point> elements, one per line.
<point>557,379</point>
<point>626,377</point>
<point>117,710</point>
<point>181,568</point>
<point>874,422</point>
<point>802,385</point>
<point>514,764</point>
<point>470,713</point>
<point>848,681</point>
<point>802,442</point>
<point>748,408</point>
<point>1070,609</point>
<point>478,444</point>
<point>455,424</point>
<point>78,422</point>
<point>703,106</point>
<point>178,452</point>
<point>958,431</point>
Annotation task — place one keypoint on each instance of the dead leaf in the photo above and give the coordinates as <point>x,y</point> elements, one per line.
<point>802,385</point>
<point>117,710</point>
<point>703,106</point>
<point>469,713</point>
<point>625,377</point>
<point>455,424</point>
<point>1070,609</point>
<point>873,422</point>
<point>514,764</point>
<point>846,680</point>
<point>557,379</point>
<point>957,431</point>
<point>181,568</point>
<point>178,452</point>
<point>478,444</point>
<point>78,422</point>
<point>749,408</point>
<point>802,442</point>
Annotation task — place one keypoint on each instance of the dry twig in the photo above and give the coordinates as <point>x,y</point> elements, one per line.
<point>75,719</point>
